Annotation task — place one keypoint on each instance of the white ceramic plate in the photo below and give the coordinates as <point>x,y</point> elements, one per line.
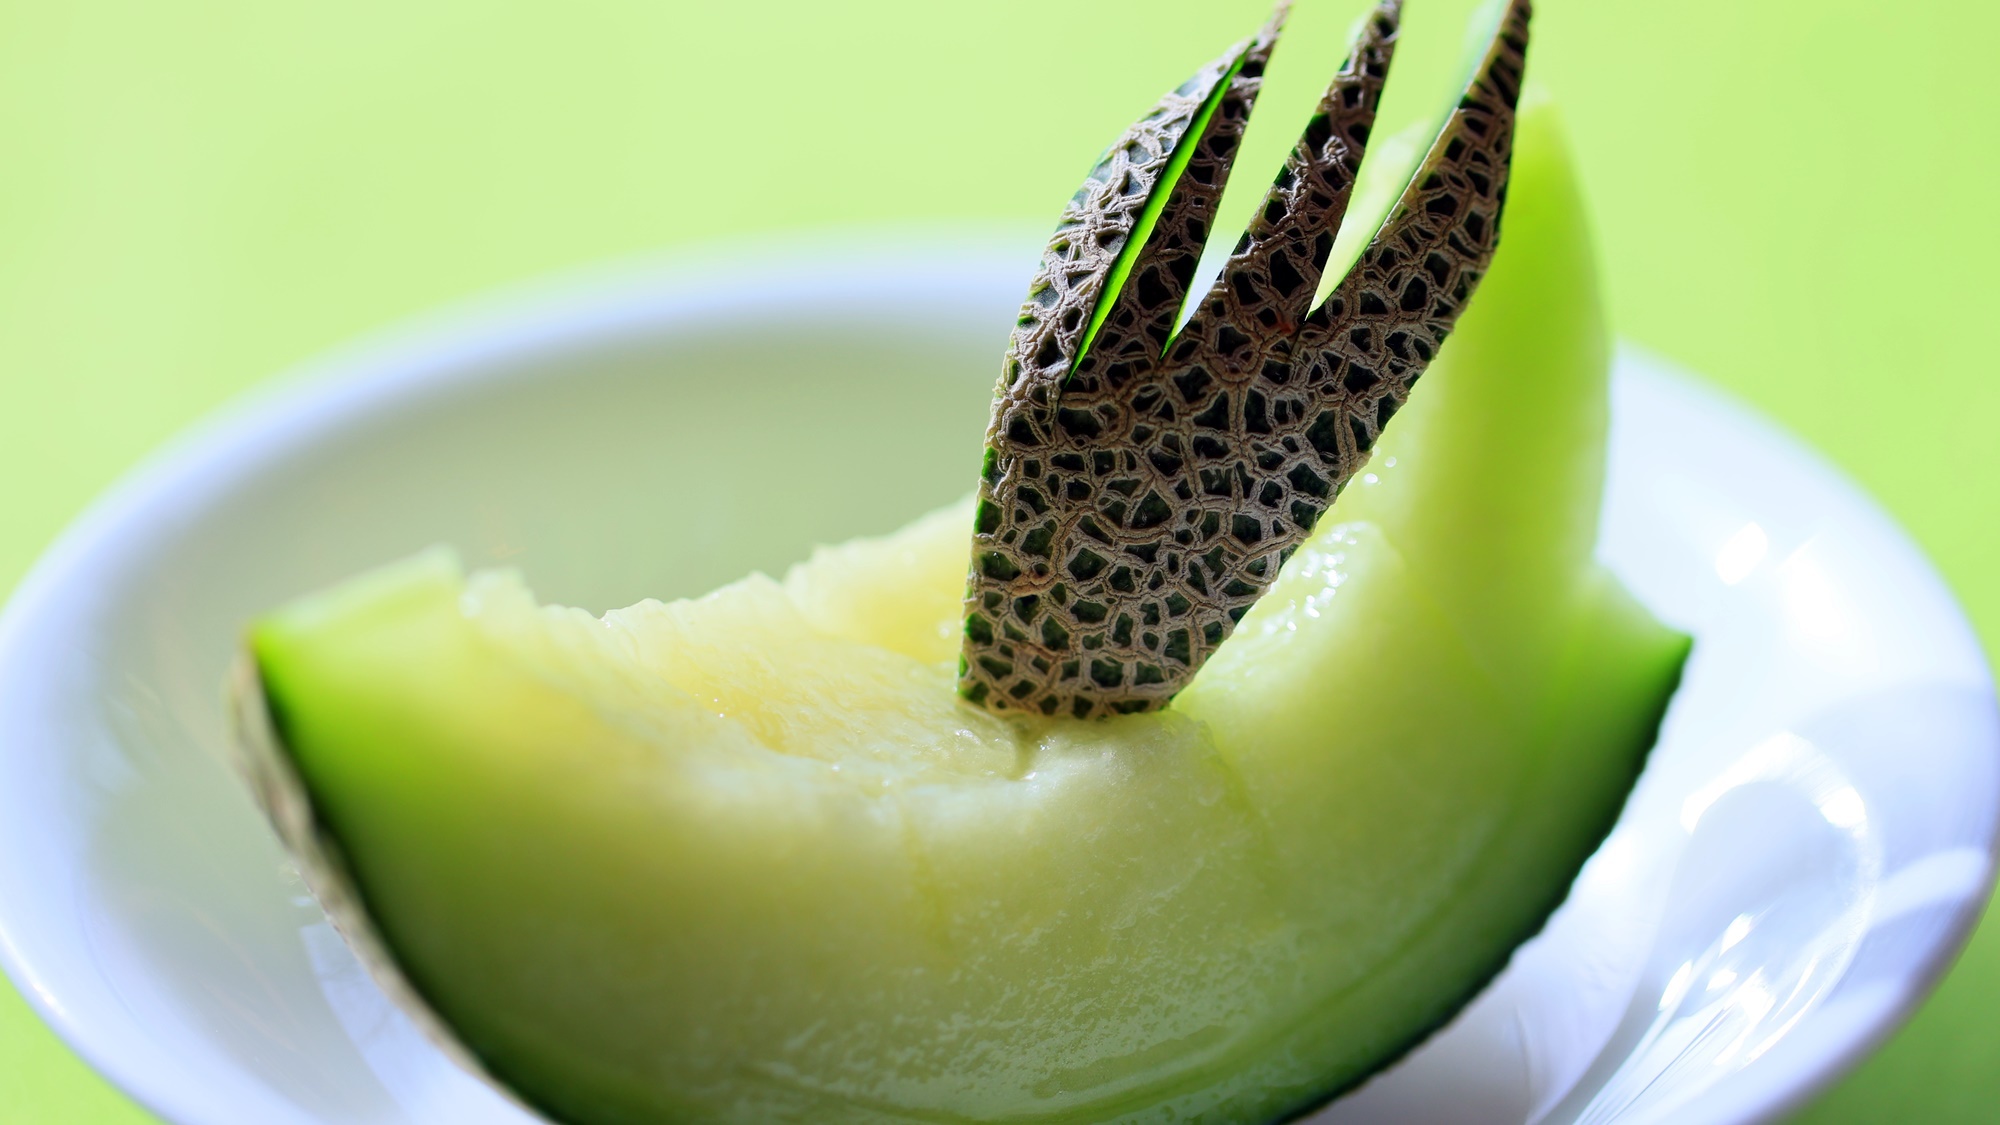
<point>1802,859</point>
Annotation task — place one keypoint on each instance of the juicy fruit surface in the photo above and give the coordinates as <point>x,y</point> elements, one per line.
<point>747,858</point>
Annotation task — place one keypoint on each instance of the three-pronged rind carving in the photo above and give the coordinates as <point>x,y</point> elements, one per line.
<point>1141,488</point>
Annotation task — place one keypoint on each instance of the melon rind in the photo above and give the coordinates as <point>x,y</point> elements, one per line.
<point>259,758</point>
<point>1140,491</point>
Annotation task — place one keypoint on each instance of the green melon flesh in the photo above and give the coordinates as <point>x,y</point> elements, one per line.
<point>747,858</point>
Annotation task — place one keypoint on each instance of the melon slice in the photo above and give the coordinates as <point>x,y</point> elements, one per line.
<point>748,858</point>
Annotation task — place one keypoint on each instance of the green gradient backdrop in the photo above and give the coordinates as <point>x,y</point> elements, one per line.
<point>195,194</point>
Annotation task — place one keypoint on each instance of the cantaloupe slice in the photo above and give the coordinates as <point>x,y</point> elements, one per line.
<point>748,858</point>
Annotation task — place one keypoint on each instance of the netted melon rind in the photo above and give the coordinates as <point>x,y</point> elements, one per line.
<point>1095,224</point>
<point>1143,311</point>
<point>259,757</point>
<point>1134,506</point>
<point>1361,350</point>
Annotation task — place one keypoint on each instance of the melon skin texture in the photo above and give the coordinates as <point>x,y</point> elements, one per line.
<point>747,858</point>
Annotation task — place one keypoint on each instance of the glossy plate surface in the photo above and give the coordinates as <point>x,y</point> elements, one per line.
<point>1806,852</point>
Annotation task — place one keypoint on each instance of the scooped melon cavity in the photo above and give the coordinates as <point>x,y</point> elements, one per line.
<point>749,858</point>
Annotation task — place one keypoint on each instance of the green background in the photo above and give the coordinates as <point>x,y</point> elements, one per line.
<point>1794,198</point>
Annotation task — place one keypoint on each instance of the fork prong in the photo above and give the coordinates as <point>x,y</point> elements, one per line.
<point>1389,316</point>
<point>1141,315</point>
<point>1096,223</point>
<point>1257,305</point>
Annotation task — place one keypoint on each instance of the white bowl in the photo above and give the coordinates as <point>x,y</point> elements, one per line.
<point>1805,854</point>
